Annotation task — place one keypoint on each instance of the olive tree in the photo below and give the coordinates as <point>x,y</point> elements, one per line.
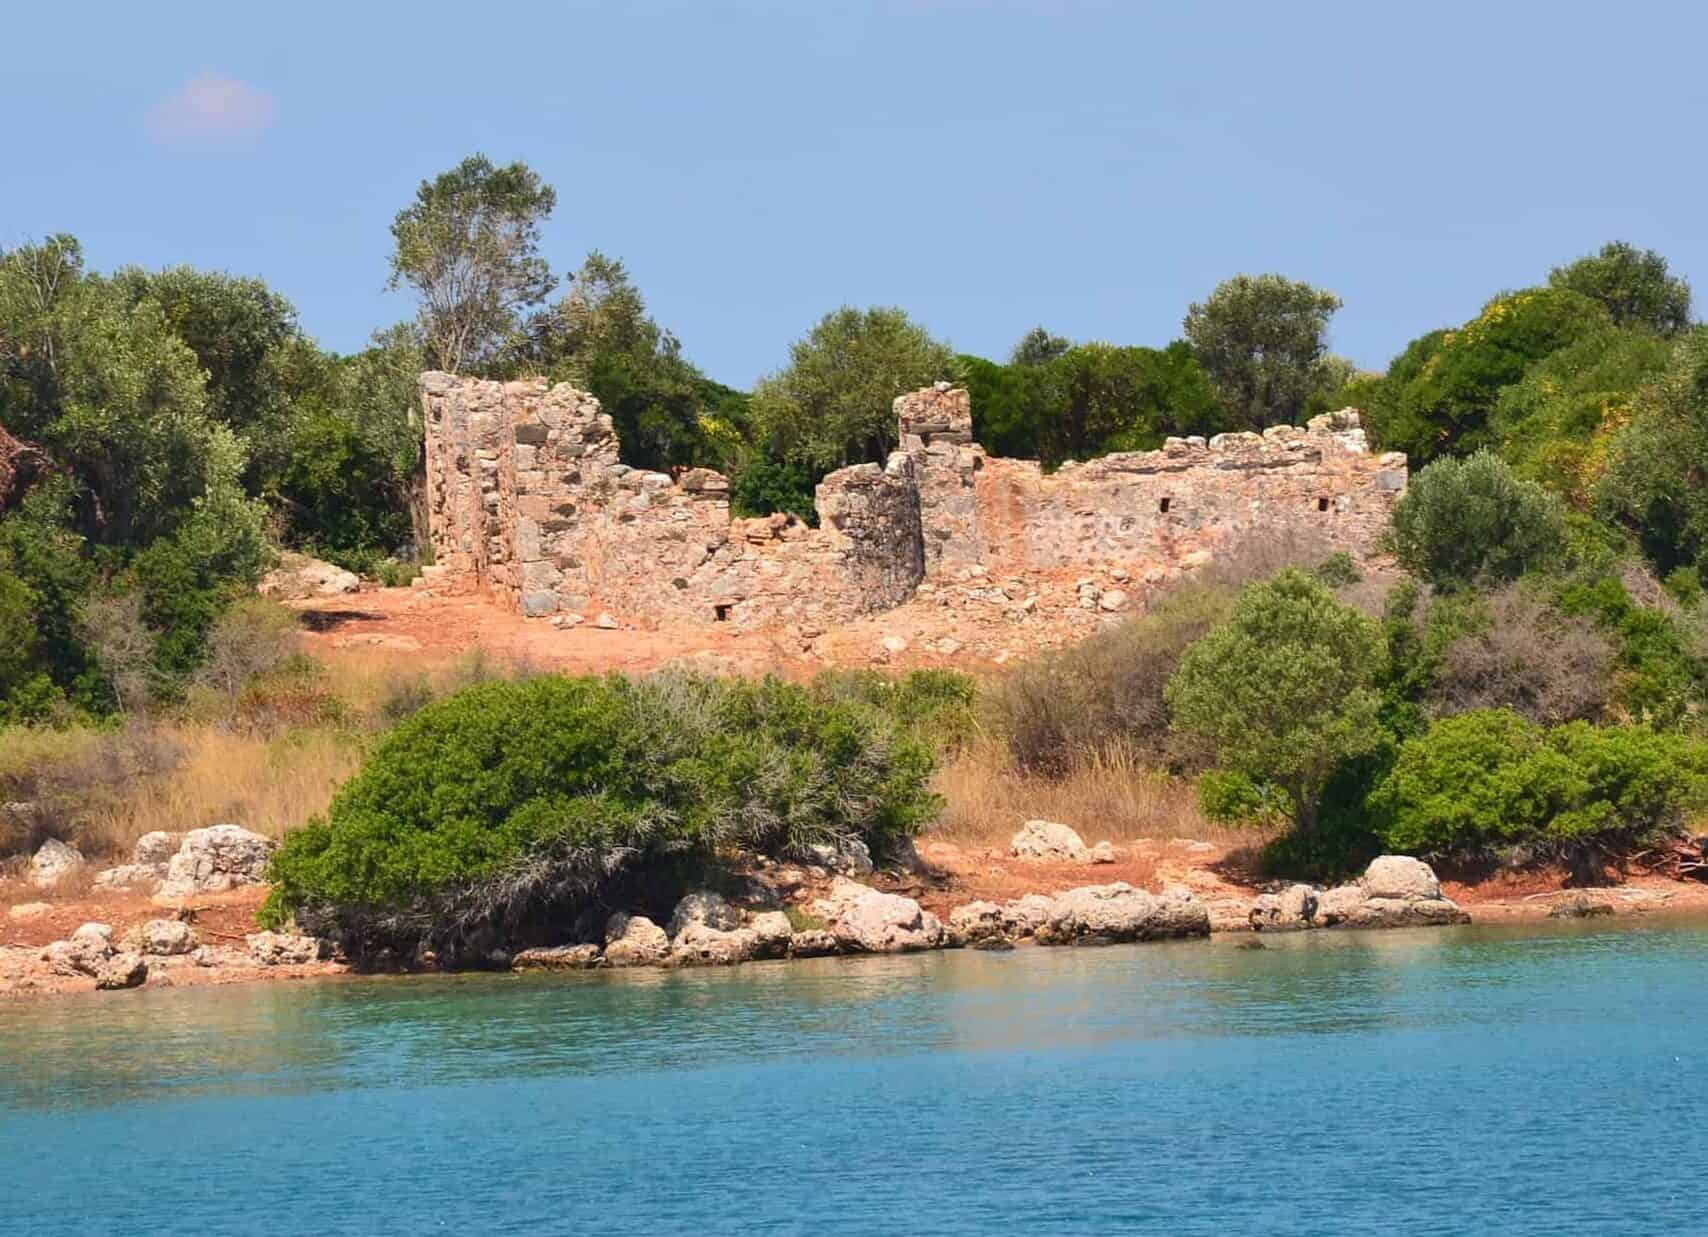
<point>469,246</point>
<point>1261,339</point>
<point>1283,692</point>
<point>1462,522</point>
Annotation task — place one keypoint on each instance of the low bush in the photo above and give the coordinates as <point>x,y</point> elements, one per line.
<point>1489,781</point>
<point>936,705</point>
<point>1106,692</point>
<point>511,804</point>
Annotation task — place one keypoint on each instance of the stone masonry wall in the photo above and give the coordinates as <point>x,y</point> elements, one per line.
<point>529,501</point>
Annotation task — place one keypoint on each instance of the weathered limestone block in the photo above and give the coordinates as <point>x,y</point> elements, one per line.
<point>53,862</point>
<point>865,920</point>
<point>556,958</point>
<point>1046,841</point>
<point>1119,912</point>
<point>215,859</point>
<point>634,940</point>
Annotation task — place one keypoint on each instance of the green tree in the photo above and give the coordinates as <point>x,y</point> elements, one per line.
<point>833,404</point>
<point>1441,392</point>
<point>1110,398</point>
<point>1462,522</point>
<point>601,338</point>
<point>1656,483</point>
<point>1261,339</point>
<point>469,246</point>
<point>1283,693</point>
<point>1038,347</point>
<point>1632,284</point>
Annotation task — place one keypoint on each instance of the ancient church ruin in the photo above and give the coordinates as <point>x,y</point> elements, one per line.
<point>529,501</point>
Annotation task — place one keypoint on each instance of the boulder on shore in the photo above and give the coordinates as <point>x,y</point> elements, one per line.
<point>1396,891</point>
<point>556,958</point>
<point>634,940</point>
<point>975,922</point>
<point>866,920</point>
<point>124,970</point>
<point>161,938</point>
<point>284,948</point>
<point>700,944</point>
<point>216,859</point>
<point>704,907</point>
<point>1290,910</point>
<point>1400,876</point>
<point>1119,912</point>
<point>1047,841</point>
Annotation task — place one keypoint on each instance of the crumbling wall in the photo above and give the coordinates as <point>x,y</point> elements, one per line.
<point>528,500</point>
<point>1189,498</point>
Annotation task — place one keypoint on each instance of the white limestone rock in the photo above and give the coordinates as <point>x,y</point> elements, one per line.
<point>124,970</point>
<point>283,948</point>
<point>1400,876</point>
<point>1119,912</point>
<point>866,920</point>
<point>634,940</point>
<point>216,859</point>
<point>53,862</point>
<point>1047,841</point>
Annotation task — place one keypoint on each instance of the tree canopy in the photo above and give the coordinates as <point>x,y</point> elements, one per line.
<point>1632,285</point>
<point>1260,338</point>
<point>832,404</point>
<point>469,247</point>
<point>1283,692</point>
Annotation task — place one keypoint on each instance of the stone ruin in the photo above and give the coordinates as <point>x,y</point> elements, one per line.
<point>528,500</point>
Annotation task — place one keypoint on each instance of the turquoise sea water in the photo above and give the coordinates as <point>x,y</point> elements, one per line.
<point>1472,1080</point>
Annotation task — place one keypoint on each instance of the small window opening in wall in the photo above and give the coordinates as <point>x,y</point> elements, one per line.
<point>1163,505</point>
<point>722,613</point>
<point>1322,504</point>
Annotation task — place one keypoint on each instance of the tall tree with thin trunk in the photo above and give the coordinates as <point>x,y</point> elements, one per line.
<point>469,246</point>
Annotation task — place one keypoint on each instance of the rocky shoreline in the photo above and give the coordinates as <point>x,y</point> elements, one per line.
<point>784,910</point>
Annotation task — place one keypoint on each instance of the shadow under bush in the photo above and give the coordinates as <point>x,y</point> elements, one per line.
<point>501,815</point>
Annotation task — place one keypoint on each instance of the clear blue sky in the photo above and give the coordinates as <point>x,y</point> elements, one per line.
<point>1090,166</point>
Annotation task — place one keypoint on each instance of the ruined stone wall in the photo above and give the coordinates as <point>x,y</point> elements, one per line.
<point>528,500</point>
<point>1188,499</point>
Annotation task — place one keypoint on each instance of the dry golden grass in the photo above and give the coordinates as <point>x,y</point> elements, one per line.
<point>268,785</point>
<point>1108,796</point>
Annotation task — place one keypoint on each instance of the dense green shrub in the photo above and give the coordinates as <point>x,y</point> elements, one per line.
<point>1489,780</point>
<point>1557,424</point>
<point>1464,521</point>
<point>1440,393</point>
<point>1284,691</point>
<point>515,800</point>
<point>1661,668</point>
<point>1654,482</point>
<point>935,705</point>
